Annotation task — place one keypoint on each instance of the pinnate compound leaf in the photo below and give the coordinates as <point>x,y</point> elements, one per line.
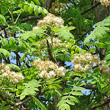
<point>64,33</point>
<point>30,88</point>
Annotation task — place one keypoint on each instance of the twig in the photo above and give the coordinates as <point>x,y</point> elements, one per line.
<point>5,100</point>
<point>22,102</point>
<point>11,16</point>
<point>49,52</point>
<point>4,31</point>
<point>89,9</point>
<point>102,103</point>
<point>17,18</point>
<point>31,18</point>
<point>93,87</point>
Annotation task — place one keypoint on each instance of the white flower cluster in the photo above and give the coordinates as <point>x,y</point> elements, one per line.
<point>11,75</point>
<point>85,62</point>
<point>57,7</point>
<point>105,2</point>
<point>48,69</point>
<point>50,19</point>
<point>103,68</point>
<point>56,43</point>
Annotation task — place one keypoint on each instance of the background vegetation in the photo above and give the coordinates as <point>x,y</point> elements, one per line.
<point>54,55</point>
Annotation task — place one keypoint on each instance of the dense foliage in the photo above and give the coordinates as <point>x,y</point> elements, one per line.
<point>54,55</point>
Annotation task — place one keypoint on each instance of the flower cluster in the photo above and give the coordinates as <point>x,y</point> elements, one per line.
<point>11,75</point>
<point>50,19</point>
<point>56,43</point>
<point>48,69</point>
<point>57,7</point>
<point>103,68</point>
<point>105,2</point>
<point>85,62</point>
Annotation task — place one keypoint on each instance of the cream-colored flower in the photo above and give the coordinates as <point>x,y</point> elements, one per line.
<point>7,68</point>
<point>96,59</point>
<point>5,74</point>
<point>82,59</point>
<point>76,60</point>
<point>35,27</point>
<point>52,74</point>
<point>78,67</point>
<point>87,67</point>
<point>43,74</point>
<point>105,2</point>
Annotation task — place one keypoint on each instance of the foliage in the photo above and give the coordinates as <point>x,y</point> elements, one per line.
<point>57,60</point>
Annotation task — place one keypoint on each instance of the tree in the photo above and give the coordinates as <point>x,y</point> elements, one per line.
<point>54,54</point>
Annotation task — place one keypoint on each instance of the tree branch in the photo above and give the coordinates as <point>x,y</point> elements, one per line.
<point>89,9</point>
<point>49,52</point>
<point>31,18</point>
<point>22,102</point>
<point>5,100</point>
<point>102,103</point>
<point>93,87</point>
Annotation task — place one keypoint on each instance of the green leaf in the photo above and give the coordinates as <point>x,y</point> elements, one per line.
<point>64,33</point>
<point>30,88</point>
<point>23,57</point>
<point>77,93</point>
<point>99,31</point>
<point>38,32</point>
<point>36,11</point>
<point>100,45</point>
<point>107,57</point>
<point>30,9</point>
<point>108,93</point>
<point>39,104</point>
<point>45,11</point>
<point>5,43</point>
<point>42,1</point>
<point>37,2</point>
<point>15,67</point>
<point>105,89</point>
<point>2,20</point>
<point>79,88</point>
<point>5,52</point>
<point>70,102</point>
<point>92,82</point>
<point>90,43</point>
<point>99,87</point>
<point>74,99</point>
<point>12,44</point>
<point>25,8</point>
<point>64,107</point>
<point>40,10</point>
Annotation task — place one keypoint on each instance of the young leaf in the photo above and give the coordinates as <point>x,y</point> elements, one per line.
<point>2,20</point>
<point>30,88</point>
<point>15,67</point>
